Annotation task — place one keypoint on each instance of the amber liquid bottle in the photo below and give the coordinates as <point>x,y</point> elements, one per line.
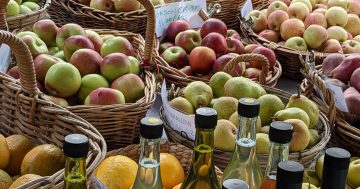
<point>280,135</point>
<point>289,175</point>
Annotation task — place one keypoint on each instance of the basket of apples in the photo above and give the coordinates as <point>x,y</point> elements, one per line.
<point>343,73</point>
<point>195,55</point>
<point>293,27</point>
<point>310,120</point>
<point>23,14</point>
<point>102,76</point>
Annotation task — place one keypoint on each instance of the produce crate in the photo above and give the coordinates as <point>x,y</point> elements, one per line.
<point>25,111</point>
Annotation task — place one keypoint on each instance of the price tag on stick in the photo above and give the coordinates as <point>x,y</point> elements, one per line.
<point>338,95</point>
<point>4,57</point>
<point>247,8</point>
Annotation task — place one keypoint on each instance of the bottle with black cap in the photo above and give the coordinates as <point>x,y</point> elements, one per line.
<point>335,169</point>
<point>289,175</point>
<point>280,135</point>
<point>235,184</point>
<point>75,148</point>
<point>148,174</point>
<point>202,170</point>
<point>244,164</point>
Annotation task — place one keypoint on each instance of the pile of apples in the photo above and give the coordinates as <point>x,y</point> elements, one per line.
<point>329,26</point>
<point>345,72</point>
<point>16,7</point>
<point>207,50</point>
<point>77,66</point>
<point>119,5</point>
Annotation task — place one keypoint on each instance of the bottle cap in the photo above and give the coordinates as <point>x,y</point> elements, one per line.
<point>234,184</point>
<point>248,107</point>
<point>76,145</point>
<point>151,127</point>
<point>337,159</point>
<point>280,132</point>
<point>206,118</point>
<point>289,172</point>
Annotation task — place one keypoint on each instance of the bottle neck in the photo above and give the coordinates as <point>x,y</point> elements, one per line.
<point>278,152</point>
<point>247,128</point>
<point>149,150</point>
<point>75,173</point>
<point>204,137</point>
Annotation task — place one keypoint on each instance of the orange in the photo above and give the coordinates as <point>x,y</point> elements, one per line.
<point>4,152</point>
<point>177,186</point>
<point>117,172</point>
<point>19,146</point>
<point>172,173</point>
<point>24,179</point>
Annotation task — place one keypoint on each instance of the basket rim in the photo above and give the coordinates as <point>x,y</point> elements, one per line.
<point>33,13</point>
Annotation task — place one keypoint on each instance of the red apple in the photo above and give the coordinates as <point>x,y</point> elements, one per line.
<point>115,65</point>
<point>350,37</point>
<point>233,34</point>
<point>269,35</point>
<point>175,57</point>
<point>202,60</point>
<point>75,43</point>
<point>315,18</point>
<point>238,69</point>
<point>287,2</point>
<point>252,73</point>
<point>188,40</point>
<point>87,61</point>
<point>221,62</point>
<point>14,72</point>
<point>249,48</point>
<point>234,46</point>
<point>276,18</point>
<point>187,70</point>
<point>216,42</point>
<point>331,46</point>
<point>165,46</point>
<point>354,7</point>
<point>292,28</point>
<point>42,63</point>
<point>95,39</point>
<point>268,53</point>
<point>175,27</point>
<point>331,62</point>
<point>259,20</point>
<point>213,25</point>
<point>320,6</point>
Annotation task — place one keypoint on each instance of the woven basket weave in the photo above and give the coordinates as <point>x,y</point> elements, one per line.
<point>25,111</point>
<point>305,157</point>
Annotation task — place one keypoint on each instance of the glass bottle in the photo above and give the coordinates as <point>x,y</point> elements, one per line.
<point>148,174</point>
<point>202,171</point>
<point>289,175</point>
<point>234,184</point>
<point>244,164</point>
<point>75,148</point>
<point>335,169</point>
<point>280,135</point>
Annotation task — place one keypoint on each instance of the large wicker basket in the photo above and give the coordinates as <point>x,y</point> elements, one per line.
<point>27,20</point>
<point>24,110</point>
<point>267,77</point>
<point>305,157</point>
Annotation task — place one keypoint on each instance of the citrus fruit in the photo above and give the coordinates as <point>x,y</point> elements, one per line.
<point>117,172</point>
<point>177,186</point>
<point>4,152</point>
<point>5,180</point>
<point>19,146</point>
<point>43,160</point>
<point>24,179</point>
<point>171,170</point>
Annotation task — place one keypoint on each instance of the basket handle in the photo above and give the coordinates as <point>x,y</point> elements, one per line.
<point>150,32</point>
<point>3,23</point>
<point>247,58</point>
<point>24,61</point>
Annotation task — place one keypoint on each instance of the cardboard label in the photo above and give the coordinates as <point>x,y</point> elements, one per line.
<point>4,57</point>
<point>178,121</point>
<point>247,8</point>
<point>338,95</point>
<point>184,10</point>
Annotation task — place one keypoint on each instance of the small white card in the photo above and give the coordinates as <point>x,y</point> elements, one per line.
<point>178,121</point>
<point>247,8</point>
<point>338,95</point>
<point>4,57</point>
<point>183,10</point>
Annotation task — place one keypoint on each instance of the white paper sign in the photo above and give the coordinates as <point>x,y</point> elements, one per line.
<point>247,8</point>
<point>338,95</point>
<point>184,10</point>
<point>4,57</point>
<point>178,121</point>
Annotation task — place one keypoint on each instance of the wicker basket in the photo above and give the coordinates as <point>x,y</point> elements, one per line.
<point>180,79</point>
<point>24,110</point>
<point>27,20</point>
<point>343,134</point>
<point>222,158</point>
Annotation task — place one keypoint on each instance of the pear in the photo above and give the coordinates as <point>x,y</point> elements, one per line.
<point>319,166</point>
<point>240,87</point>
<point>225,135</point>
<point>234,118</point>
<point>198,93</point>
<point>225,107</point>
<point>302,102</point>
<point>306,185</point>
<point>265,129</point>
<point>314,138</point>
<point>218,81</point>
<point>262,143</point>
<point>311,177</point>
<point>182,104</point>
<point>269,105</point>
<point>300,137</point>
<point>292,113</point>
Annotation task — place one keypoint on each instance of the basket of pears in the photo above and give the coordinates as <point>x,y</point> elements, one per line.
<point>104,76</point>
<point>310,123</point>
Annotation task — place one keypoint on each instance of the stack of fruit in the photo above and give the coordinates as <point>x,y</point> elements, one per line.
<point>16,7</point>
<point>22,161</point>
<point>77,66</point>
<point>345,72</point>
<point>331,26</point>
<point>301,112</point>
<point>208,50</point>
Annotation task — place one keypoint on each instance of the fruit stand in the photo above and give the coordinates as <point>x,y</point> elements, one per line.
<point>104,94</point>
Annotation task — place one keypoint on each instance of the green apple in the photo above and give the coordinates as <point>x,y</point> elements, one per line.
<point>31,5</point>
<point>336,16</point>
<point>67,31</point>
<point>297,43</point>
<point>46,29</point>
<point>20,34</point>
<point>89,83</point>
<point>135,65</point>
<point>315,36</point>
<point>58,101</point>
<point>53,50</point>
<point>338,3</point>
<point>117,44</point>
<point>12,8</point>
<point>60,54</point>
<point>24,9</point>
<point>19,1</point>
<point>353,174</point>
<point>35,45</point>
<point>338,33</point>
